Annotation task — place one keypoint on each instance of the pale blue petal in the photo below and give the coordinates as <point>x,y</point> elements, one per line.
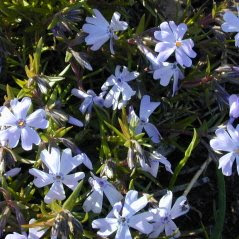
<point>29,137</point>
<point>123,232</point>
<point>180,207</point>
<point>37,119</point>
<point>56,192</point>
<point>51,159</point>
<point>94,201</point>
<point>226,162</point>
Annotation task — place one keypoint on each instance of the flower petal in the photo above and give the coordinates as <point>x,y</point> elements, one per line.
<point>222,141</point>
<point>15,235</point>
<point>231,22</point>
<point>71,180</point>
<point>11,135</point>
<point>112,194</point>
<point>180,207</point>
<point>35,232</point>
<point>51,160</point>
<point>42,179</point>
<point>131,209</point>
<point>165,50</point>
<point>226,162</point>
<point>37,119</point>
<point>29,137</point>
<point>7,118</point>
<point>157,229</point>
<point>123,232</point>
<point>116,24</point>
<point>181,29</point>
<point>56,192</point>
<point>147,107</point>
<point>152,132</point>
<point>166,201</point>
<point>127,92</point>
<point>68,163</point>
<point>140,222</point>
<point>94,202</point>
<point>172,230</point>
<point>107,226</point>
<point>182,58</point>
<point>20,108</point>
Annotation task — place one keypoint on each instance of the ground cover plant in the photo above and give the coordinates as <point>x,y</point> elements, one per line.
<point>119,119</point>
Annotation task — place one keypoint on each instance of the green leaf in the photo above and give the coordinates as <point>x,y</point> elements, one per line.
<point>208,69</point>
<point>10,93</point>
<point>116,131</point>
<point>141,26</point>
<point>71,200</point>
<point>37,56</point>
<point>182,163</point>
<point>221,211</point>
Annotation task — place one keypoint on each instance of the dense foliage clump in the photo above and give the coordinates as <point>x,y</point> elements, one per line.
<point>119,119</point>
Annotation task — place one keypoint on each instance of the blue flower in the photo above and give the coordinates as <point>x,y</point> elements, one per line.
<point>227,141</point>
<point>119,82</point>
<point>231,24</point>
<point>17,124</point>
<point>142,122</point>
<point>100,31</point>
<point>171,40</point>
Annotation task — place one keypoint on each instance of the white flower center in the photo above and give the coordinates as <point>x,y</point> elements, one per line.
<point>58,178</point>
<point>21,123</point>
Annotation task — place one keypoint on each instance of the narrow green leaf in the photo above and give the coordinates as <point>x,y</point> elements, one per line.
<point>182,163</point>
<point>71,200</point>
<point>141,26</point>
<point>10,93</point>
<point>116,131</point>
<point>221,211</point>
<point>37,56</point>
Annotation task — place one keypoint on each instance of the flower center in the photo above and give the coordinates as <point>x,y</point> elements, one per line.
<point>178,43</point>
<point>165,219</point>
<point>102,183</point>
<point>110,31</point>
<point>58,177</point>
<point>21,123</point>
<point>119,80</point>
<point>123,220</point>
<point>144,120</point>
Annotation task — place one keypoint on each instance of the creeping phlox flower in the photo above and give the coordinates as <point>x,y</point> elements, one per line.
<point>228,141</point>
<point>151,165</point>
<point>90,98</point>
<point>16,124</point>
<point>100,31</point>
<point>171,40</point>
<point>121,218</point>
<point>119,83</point>
<point>100,186</point>
<point>142,122</point>
<point>231,24</point>
<point>167,71</point>
<point>164,71</point>
<point>164,215</point>
<point>34,233</point>
<point>234,107</point>
<point>59,166</point>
